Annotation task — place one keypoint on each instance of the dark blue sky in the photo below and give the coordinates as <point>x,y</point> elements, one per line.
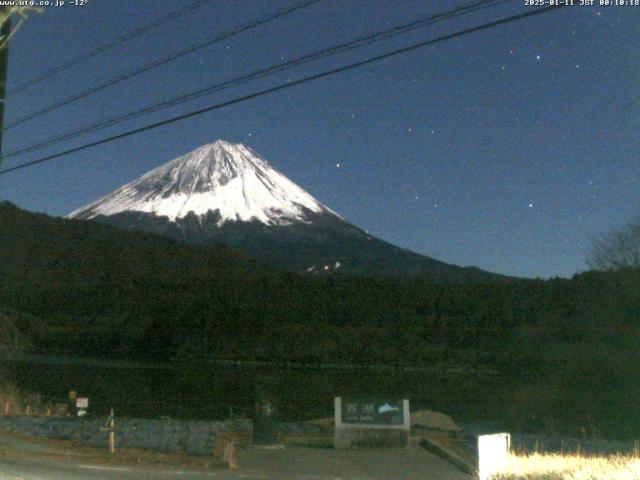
<point>507,149</point>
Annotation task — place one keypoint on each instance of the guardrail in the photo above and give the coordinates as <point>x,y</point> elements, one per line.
<point>48,359</point>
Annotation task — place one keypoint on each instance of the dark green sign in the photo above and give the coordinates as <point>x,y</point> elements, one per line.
<point>372,412</point>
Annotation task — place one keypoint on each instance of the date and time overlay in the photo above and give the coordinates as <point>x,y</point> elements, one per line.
<point>582,3</point>
<point>527,3</point>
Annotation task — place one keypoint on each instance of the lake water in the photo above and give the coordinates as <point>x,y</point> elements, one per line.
<point>215,391</point>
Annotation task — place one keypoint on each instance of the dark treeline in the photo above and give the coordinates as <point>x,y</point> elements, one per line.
<point>569,347</point>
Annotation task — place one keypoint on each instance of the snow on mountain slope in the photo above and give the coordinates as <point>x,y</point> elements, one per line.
<point>225,177</point>
<point>225,194</point>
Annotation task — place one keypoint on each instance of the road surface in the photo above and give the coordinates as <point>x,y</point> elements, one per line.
<point>21,459</point>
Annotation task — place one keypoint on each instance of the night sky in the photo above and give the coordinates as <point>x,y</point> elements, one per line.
<point>508,149</point>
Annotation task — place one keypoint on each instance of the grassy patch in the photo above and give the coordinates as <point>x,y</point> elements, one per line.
<point>570,467</point>
<point>22,447</point>
<point>14,401</point>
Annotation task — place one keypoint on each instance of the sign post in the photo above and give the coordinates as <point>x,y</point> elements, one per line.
<point>265,425</point>
<point>71,403</point>
<point>371,423</point>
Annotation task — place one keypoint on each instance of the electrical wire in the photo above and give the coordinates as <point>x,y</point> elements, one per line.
<point>283,86</point>
<point>107,46</point>
<point>157,63</point>
<point>262,73</point>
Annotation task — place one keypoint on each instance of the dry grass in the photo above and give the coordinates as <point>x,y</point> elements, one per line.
<point>14,401</point>
<point>10,391</point>
<point>570,467</point>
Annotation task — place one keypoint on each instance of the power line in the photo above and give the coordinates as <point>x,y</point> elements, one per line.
<point>277,68</point>
<point>107,46</point>
<point>284,86</point>
<point>160,62</point>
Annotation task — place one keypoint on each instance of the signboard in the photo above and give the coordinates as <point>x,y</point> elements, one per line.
<point>373,412</point>
<point>82,403</point>
<point>492,454</point>
<point>362,422</point>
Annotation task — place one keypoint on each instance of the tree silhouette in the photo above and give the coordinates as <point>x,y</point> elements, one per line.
<point>618,249</point>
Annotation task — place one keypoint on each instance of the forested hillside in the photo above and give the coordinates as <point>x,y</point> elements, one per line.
<point>570,347</point>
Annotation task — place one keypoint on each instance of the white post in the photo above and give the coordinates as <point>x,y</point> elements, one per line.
<point>492,454</point>
<point>112,434</point>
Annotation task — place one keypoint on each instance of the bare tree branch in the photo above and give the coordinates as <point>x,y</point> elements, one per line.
<point>617,249</point>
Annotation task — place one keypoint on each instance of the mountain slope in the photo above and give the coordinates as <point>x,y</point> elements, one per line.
<point>224,193</point>
<point>103,291</point>
<point>220,177</point>
<point>93,290</point>
<point>38,250</point>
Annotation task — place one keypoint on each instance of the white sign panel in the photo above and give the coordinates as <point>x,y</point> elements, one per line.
<point>371,423</point>
<point>82,403</point>
<point>492,454</point>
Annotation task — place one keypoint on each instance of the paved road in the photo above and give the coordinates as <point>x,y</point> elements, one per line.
<point>48,470</point>
<point>301,463</point>
<point>24,460</point>
<point>306,465</point>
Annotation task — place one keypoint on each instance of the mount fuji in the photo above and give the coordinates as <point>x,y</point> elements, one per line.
<point>224,193</point>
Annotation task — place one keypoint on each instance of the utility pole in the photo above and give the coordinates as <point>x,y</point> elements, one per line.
<point>5,31</point>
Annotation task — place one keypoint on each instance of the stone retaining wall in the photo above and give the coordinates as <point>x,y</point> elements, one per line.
<point>173,436</point>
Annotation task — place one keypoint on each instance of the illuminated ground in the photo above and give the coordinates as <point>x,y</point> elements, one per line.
<point>25,459</point>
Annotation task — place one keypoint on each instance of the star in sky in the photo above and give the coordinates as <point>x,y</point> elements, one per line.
<point>523,120</point>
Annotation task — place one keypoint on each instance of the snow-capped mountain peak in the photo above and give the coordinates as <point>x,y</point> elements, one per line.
<point>222,177</point>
